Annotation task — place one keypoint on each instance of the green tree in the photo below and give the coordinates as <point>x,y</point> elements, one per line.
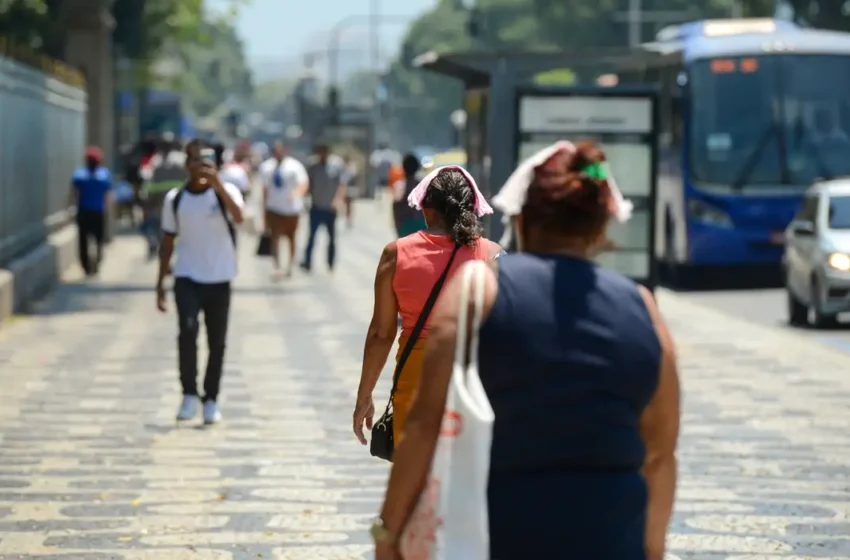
<point>37,24</point>
<point>821,14</point>
<point>422,101</point>
<point>143,28</point>
<point>216,70</point>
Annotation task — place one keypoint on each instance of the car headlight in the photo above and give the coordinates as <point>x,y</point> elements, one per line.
<point>839,261</point>
<point>708,213</point>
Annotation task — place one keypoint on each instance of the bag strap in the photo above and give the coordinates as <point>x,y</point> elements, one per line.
<point>175,202</point>
<point>472,289</point>
<point>230,229</point>
<point>420,324</point>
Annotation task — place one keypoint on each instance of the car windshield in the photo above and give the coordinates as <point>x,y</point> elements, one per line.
<point>839,212</point>
<point>773,119</point>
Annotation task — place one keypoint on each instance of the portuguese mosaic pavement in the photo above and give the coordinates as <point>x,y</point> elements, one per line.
<point>93,467</point>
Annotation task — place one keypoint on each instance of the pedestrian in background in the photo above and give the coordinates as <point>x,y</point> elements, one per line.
<point>167,172</point>
<point>327,195</point>
<point>581,373</point>
<point>408,220</point>
<point>91,185</point>
<point>285,183</point>
<point>197,223</point>
<point>351,178</point>
<point>234,172</point>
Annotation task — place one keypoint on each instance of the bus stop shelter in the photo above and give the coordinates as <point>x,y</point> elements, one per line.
<point>490,79</point>
<point>509,117</point>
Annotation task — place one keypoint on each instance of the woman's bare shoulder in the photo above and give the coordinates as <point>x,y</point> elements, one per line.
<point>491,247</point>
<point>390,252</point>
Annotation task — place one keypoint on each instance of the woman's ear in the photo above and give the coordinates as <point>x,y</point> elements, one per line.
<point>427,213</point>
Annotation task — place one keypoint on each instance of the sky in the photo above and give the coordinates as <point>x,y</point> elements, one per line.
<point>278,33</point>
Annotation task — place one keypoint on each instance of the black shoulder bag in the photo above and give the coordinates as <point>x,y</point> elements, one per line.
<point>383,444</point>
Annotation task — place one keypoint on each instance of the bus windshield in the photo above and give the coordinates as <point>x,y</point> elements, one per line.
<point>776,119</point>
<point>817,114</point>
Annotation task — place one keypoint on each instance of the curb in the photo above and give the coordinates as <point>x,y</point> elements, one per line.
<point>32,276</point>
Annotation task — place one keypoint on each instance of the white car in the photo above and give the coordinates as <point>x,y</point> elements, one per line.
<point>817,255</point>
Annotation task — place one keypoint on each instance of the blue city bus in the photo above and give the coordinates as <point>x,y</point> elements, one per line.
<point>752,111</point>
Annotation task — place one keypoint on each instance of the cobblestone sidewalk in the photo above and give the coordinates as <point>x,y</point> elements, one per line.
<point>93,467</point>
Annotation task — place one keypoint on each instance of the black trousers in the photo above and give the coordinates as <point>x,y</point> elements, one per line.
<point>213,300</point>
<point>90,226</point>
<point>320,217</point>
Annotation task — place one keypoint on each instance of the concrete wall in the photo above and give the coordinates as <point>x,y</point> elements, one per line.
<point>42,139</point>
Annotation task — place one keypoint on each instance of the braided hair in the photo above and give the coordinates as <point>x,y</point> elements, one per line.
<point>452,197</point>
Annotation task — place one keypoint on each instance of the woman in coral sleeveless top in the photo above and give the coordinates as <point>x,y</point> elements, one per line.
<point>407,272</point>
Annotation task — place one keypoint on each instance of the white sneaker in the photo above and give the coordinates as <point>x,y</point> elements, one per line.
<point>211,413</point>
<point>188,408</point>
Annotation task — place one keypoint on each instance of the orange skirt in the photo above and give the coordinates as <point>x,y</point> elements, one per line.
<point>408,384</point>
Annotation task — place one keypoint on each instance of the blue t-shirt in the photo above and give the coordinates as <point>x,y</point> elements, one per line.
<point>92,188</point>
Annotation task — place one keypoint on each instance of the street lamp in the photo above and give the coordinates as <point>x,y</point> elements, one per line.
<point>458,119</point>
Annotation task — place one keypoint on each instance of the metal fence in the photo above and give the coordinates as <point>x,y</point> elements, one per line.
<point>43,109</point>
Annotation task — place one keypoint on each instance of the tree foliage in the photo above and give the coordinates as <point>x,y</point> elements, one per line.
<point>423,101</point>
<point>216,71</point>
<point>143,28</point>
<point>37,24</point>
<point>821,14</point>
<point>204,44</point>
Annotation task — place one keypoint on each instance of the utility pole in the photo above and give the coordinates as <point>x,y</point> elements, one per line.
<point>375,32</point>
<point>375,13</point>
<point>635,16</point>
<point>635,23</point>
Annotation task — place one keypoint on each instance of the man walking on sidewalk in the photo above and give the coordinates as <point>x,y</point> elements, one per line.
<point>327,196</point>
<point>200,216</point>
<point>91,185</point>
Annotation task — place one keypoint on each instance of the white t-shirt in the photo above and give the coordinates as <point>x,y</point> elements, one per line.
<point>235,174</point>
<point>281,181</point>
<point>204,250</point>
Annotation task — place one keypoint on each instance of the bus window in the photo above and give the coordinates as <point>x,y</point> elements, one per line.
<point>818,134</point>
<point>735,114</point>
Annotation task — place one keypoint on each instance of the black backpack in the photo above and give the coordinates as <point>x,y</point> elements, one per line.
<point>175,202</point>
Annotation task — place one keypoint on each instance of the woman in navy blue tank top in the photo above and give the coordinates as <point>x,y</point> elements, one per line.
<point>581,373</point>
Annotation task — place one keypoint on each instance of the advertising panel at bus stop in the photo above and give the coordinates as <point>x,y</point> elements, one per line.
<point>623,122</point>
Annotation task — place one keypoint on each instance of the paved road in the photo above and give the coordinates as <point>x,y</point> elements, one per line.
<point>92,466</point>
<point>769,308</point>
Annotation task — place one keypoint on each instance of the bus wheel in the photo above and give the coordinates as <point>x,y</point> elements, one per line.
<point>670,262</point>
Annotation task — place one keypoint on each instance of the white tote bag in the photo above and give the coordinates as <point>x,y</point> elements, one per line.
<point>450,521</point>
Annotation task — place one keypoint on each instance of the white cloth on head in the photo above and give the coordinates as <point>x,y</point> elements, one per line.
<point>418,194</point>
<point>511,197</point>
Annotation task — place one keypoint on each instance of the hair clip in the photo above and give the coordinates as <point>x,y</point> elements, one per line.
<point>595,171</point>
